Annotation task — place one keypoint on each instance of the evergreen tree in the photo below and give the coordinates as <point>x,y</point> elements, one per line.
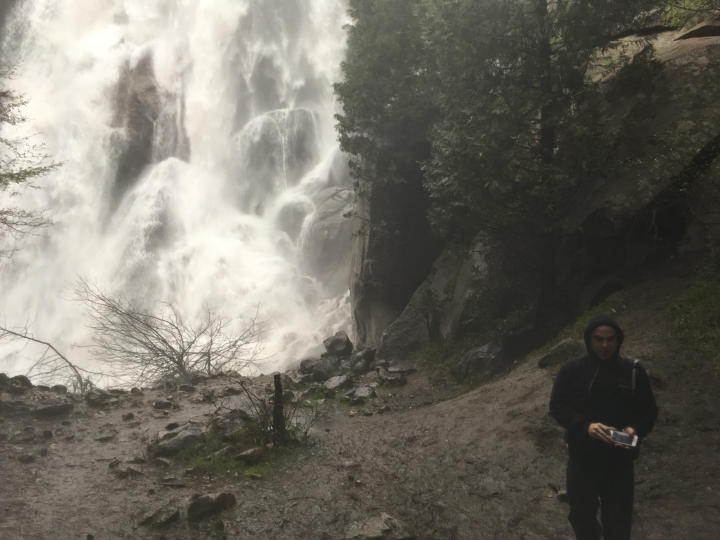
<point>21,162</point>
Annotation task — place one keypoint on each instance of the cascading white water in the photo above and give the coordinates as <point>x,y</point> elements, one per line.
<point>198,158</point>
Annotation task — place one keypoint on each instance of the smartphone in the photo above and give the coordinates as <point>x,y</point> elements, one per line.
<point>624,438</point>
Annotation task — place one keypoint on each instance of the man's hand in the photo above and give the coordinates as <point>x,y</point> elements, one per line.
<point>601,432</point>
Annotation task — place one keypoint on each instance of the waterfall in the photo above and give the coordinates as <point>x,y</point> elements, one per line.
<point>199,166</point>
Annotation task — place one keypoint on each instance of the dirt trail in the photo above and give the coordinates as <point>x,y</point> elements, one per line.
<point>483,465</point>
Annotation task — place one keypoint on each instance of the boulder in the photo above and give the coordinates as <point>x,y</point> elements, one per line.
<point>172,442</point>
<point>339,344</point>
<point>204,506</point>
<point>21,381</point>
<point>567,349</point>
<point>338,382</point>
<point>486,360</point>
<point>320,369</point>
<point>382,527</point>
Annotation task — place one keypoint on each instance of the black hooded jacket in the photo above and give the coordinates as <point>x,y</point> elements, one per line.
<point>615,392</point>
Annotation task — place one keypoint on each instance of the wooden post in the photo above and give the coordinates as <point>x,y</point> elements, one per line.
<point>279,431</point>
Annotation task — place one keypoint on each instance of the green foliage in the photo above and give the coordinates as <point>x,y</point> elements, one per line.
<point>696,316</point>
<point>21,162</point>
<point>386,106</point>
<point>681,13</point>
<point>490,97</point>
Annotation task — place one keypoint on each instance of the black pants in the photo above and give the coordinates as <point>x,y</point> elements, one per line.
<point>604,482</point>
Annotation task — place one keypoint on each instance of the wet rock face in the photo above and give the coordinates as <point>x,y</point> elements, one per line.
<point>5,8</point>
<point>150,117</point>
<point>486,360</point>
<point>327,240</point>
<point>442,306</point>
<point>291,216</point>
<point>274,151</point>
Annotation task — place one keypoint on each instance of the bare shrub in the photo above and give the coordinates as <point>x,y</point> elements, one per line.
<point>147,346</point>
<point>52,366</point>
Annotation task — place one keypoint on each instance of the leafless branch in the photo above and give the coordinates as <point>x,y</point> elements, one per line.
<point>148,346</point>
<point>52,364</point>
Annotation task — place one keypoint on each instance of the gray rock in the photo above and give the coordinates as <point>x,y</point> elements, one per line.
<point>391,379</point>
<point>327,239</point>
<point>320,369</point>
<point>359,395</point>
<point>275,150</point>
<point>161,517</point>
<point>26,458</point>
<point>441,307</point>
<point>170,443</point>
<point>128,472</point>
<point>21,381</point>
<point>338,382</point>
<point>206,505</point>
<point>97,397</point>
<point>486,360</point>
<point>339,344</point>
<point>382,527</point>
<point>291,216</point>
<point>567,349</point>
<point>59,389</point>
<point>162,404</point>
<point>53,411</point>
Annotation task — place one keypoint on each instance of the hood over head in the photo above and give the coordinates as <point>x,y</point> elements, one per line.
<point>602,320</point>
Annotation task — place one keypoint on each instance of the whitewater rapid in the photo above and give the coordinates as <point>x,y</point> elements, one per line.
<point>198,157</point>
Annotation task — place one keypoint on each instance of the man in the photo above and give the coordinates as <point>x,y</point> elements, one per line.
<point>592,396</point>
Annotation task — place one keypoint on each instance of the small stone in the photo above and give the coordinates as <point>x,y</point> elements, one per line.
<point>53,411</point>
<point>186,388</point>
<point>162,404</point>
<point>206,505</point>
<point>126,473</point>
<point>59,389</point>
<point>161,517</point>
<point>251,456</point>
<point>105,438</point>
<point>26,458</point>
<point>128,416</point>
<point>340,381</point>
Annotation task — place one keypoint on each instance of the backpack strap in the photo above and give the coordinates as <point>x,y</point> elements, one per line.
<point>635,366</point>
